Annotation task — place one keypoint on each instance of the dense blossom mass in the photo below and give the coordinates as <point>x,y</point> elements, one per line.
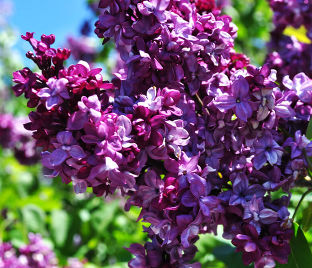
<point>187,129</point>
<point>36,254</point>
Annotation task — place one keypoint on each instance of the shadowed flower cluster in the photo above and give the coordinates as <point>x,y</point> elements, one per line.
<point>286,54</point>
<point>292,12</point>
<point>187,130</point>
<point>15,137</point>
<point>82,48</point>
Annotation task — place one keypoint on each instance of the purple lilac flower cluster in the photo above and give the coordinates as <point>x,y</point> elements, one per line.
<point>82,48</point>
<point>187,129</point>
<point>36,254</point>
<point>289,56</point>
<point>286,54</point>
<point>210,5</point>
<point>15,137</point>
<point>292,12</point>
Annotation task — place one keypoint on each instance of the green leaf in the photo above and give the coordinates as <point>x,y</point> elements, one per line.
<point>59,226</point>
<point>309,136</point>
<point>229,256</point>
<point>309,130</point>
<point>300,256</point>
<point>102,217</point>
<point>206,244</point>
<point>117,265</point>
<point>33,218</point>
<point>307,219</point>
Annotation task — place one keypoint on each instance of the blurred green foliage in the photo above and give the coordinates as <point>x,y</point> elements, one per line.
<point>254,21</point>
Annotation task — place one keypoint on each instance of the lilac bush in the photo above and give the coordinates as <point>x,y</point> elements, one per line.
<point>187,129</point>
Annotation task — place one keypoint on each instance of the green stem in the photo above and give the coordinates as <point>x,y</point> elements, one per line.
<point>300,201</point>
<point>201,103</point>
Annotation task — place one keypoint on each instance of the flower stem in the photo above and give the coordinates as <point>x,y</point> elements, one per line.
<point>201,103</point>
<point>300,201</point>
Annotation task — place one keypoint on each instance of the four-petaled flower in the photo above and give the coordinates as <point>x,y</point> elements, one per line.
<point>237,100</point>
<point>55,92</point>
<point>66,147</point>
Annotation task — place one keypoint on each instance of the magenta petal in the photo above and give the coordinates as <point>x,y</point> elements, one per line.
<point>184,220</point>
<point>271,156</point>
<point>205,209</point>
<point>65,137</point>
<point>64,94</point>
<point>268,216</point>
<point>250,247</point>
<point>107,20</point>
<point>53,101</point>
<point>259,161</point>
<point>137,249</point>
<point>188,200</point>
<point>95,71</point>
<point>77,120</point>
<point>242,237</point>
<point>171,165</point>
<point>157,138</point>
<point>248,258</point>
<point>57,157</point>
<point>161,5</point>
<point>240,87</point>
<point>97,170</point>
<point>44,92</point>
<point>77,152</point>
<point>243,110</point>
<point>80,186</point>
<point>103,168</point>
<point>189,234</point>
<point>125,123</point>
<point>197,186</point>
<point>151,178</point>
<point>179,133</point>
<point>225,102</point>
<point>157,65</point>
<point>90,139</point>
<point>46,159</point>
<point>284,111</point>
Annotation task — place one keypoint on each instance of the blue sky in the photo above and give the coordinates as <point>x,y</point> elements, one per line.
<point>60,17</point>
